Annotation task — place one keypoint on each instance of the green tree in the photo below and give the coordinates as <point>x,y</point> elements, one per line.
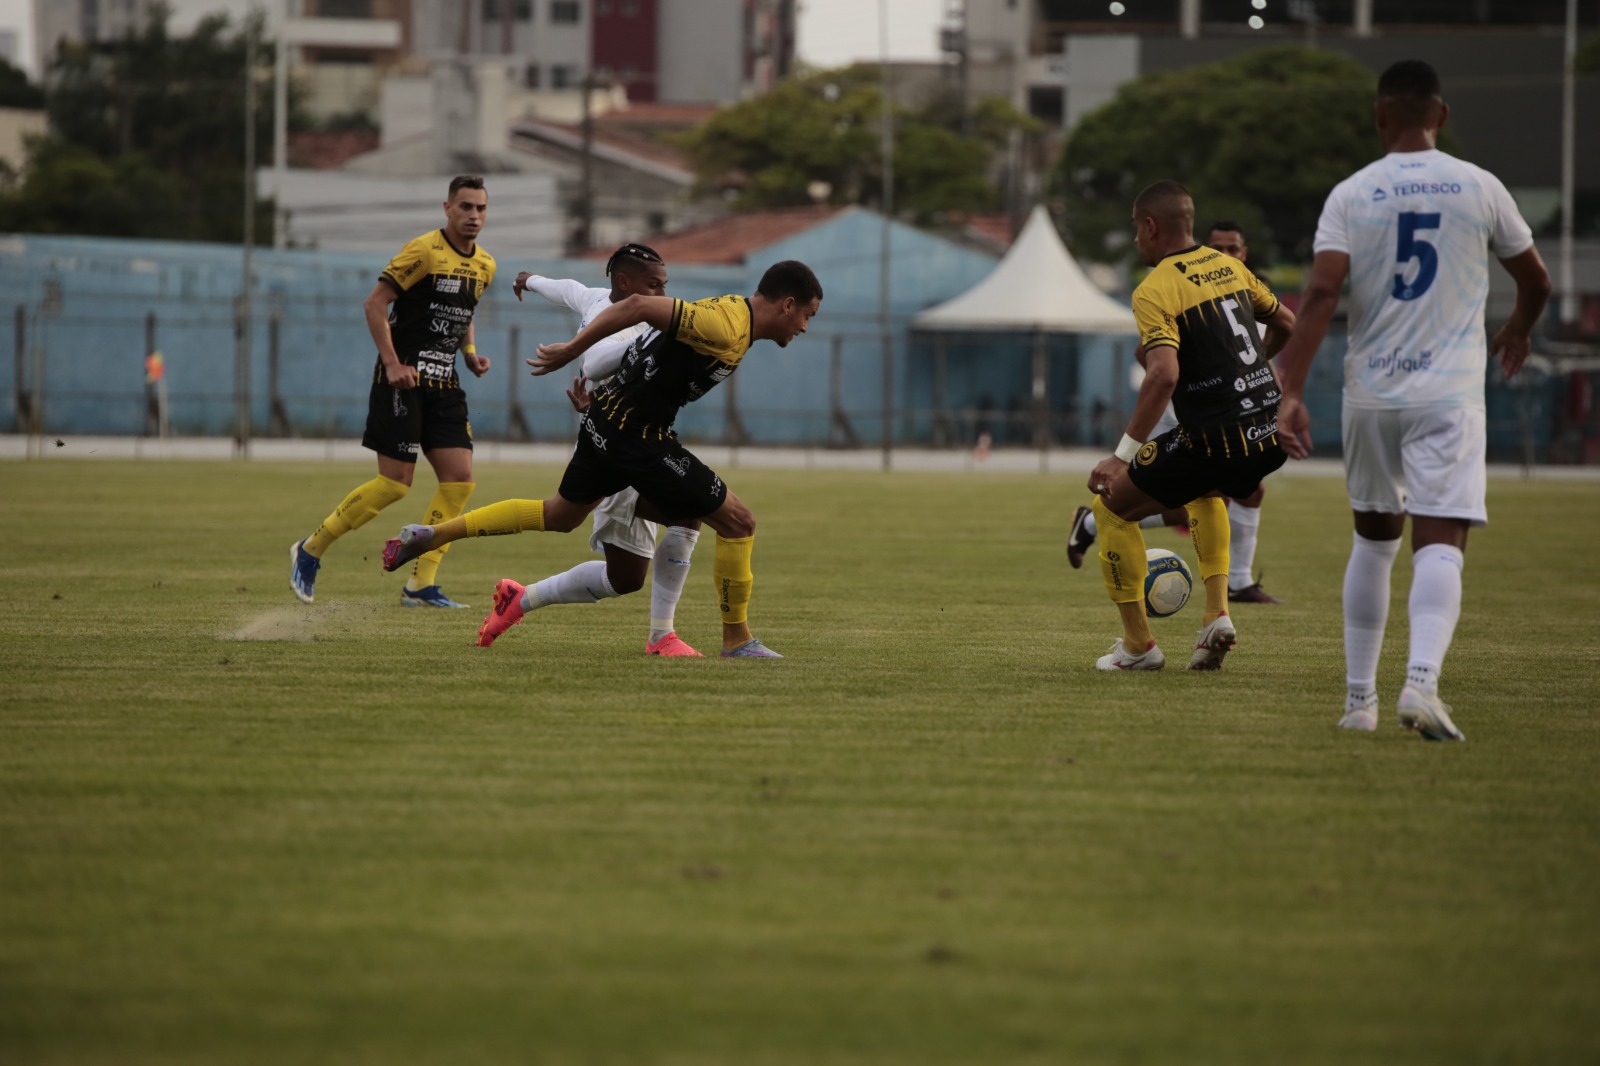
<point>823,130</point>
<point>16,90</point>
<point>1262,137</point>
<point>148,138</point>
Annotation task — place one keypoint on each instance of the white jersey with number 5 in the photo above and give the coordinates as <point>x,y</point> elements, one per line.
<point>1418,227</point>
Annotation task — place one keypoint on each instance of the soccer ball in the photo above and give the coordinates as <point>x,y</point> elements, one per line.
<point>1166,583</point>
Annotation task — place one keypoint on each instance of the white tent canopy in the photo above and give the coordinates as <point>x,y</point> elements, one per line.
<point>1036,287</point>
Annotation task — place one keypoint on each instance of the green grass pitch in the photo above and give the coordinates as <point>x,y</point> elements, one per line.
<point>234,829</point>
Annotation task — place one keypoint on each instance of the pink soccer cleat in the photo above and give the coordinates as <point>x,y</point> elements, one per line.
<point>672,645</point>
<point>507,611</point>
<point>412,542</point>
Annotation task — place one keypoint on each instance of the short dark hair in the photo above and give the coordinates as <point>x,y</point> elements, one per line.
<point>1226,224</point>
<point>790,278</point>
<point>1167,200</point>
<point>1409,78</point>
<point>1411,88</point>
<point>464,181</point>
<point>632,257</point>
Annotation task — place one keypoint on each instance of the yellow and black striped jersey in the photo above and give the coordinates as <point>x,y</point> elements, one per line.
<point>1206,304</point>
<point>701,346</point>
<point>439,287</point>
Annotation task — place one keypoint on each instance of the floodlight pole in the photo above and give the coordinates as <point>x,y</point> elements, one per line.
<point>1569,297</point>
<point>241,327</point>
<point>886,144</point>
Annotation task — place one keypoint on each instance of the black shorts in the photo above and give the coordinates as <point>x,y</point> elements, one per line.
<point>1186,463</point>
<point>405,423</point>
<point>666,473</point>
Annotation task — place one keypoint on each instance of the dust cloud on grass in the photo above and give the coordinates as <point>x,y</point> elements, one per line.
<point>300,624</point>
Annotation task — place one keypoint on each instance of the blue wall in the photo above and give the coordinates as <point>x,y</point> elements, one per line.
<point>92,332</point>
<point>83,304</point>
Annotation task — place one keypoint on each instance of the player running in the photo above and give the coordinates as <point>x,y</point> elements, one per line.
<point>627,541</point>
<point>626,437</point>
<point>420,316</point>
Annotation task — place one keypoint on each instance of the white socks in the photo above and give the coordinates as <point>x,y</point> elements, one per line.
<point>1091,527</point>
<point>584,583</point>
<point>1435,608</point>
<point>1243,524</point>
<point>667,574</point>
<point>1366,611</point>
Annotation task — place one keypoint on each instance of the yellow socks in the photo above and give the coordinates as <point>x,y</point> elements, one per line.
<point>495,520</point>
<point>448,500</point>
<point>355,511</point>
<point>1122,566</point>
<point>1208,525</point>
<point>731,571</point>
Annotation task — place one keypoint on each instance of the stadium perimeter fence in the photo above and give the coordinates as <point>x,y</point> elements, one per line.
<point>109,363</point>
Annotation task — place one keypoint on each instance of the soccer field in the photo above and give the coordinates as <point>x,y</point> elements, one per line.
<point>236,829</point>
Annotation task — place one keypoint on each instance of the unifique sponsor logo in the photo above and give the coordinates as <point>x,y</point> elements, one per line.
<point>1426,188</point>
<point>1210,276</point>
<point>1146,454</point>
<point>677,466</point>
<point>1395,362</point>
<point>452,285</point>
<point>1261,432</point>
<point>399,405</point>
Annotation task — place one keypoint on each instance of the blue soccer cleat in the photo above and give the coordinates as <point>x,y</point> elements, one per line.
<point>303,569</point>
<point>431,596</point>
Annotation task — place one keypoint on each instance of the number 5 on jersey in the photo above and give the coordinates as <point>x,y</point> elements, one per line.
<point>1412,247</point>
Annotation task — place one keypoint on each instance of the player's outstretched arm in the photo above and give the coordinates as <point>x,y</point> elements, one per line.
<point>655,311</point>
<point>1511,344</point>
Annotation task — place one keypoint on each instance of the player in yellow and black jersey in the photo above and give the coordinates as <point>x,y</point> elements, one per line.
<point>1196,312</point>
<point>626,437</point>
<point>700,347</point>
<point>420,317</point>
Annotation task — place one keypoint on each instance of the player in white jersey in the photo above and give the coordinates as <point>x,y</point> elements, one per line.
<point>1413,233</point>
<point>621,534</point>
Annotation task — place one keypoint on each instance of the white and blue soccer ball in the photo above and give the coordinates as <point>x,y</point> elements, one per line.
<point>1167,583</point>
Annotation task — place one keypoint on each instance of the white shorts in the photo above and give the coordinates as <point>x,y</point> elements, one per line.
<point>1420,461</point>
<point>615,523</point>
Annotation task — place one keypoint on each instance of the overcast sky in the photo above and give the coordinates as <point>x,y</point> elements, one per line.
<point>833,33</point>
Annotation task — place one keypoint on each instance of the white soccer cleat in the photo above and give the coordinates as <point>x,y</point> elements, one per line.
<point>1427,714</point>
<point>1120,659</point>
<point>1215,640</point>
<point>1360,713</point>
